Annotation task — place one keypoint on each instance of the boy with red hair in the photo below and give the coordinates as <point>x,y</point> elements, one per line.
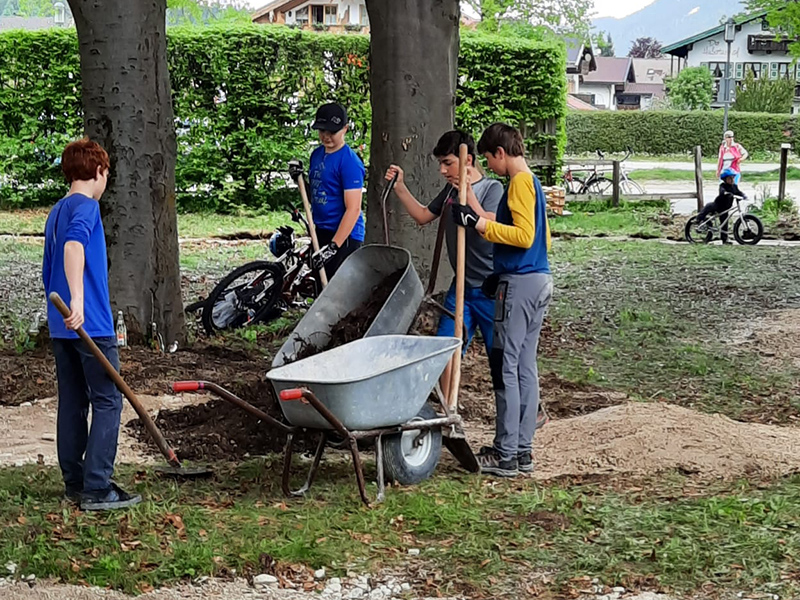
<point>75,266</point>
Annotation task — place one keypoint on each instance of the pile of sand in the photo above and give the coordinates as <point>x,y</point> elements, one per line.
<point>642,439</point>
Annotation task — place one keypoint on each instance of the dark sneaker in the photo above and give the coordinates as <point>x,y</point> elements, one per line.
<point>115,498</point>
<point>73,495</point>
<point>491,464</point>
<point>727,243</point>
<point>525,462</point>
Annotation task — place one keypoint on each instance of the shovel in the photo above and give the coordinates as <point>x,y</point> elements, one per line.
<point>175,468</point>
<point>456,442</point>
<point>301,185</point>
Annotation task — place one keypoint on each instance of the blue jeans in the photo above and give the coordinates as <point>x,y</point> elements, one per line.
<point>478,313</point>
<point>86,457</point>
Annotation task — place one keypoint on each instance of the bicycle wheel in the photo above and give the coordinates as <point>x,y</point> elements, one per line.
<point>748,230</point>
<point>572,184</point>
<point>697,234</point>
<point>244,297</point>
<point>629,188</point>
<point>601,186</point>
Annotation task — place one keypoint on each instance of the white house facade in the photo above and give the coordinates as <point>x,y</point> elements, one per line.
<point>754,49</point>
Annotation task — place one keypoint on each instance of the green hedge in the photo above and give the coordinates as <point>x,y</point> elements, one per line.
<point>671,132</point>
<point>244,97</point>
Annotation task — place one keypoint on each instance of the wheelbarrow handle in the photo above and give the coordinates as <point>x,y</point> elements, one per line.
<point>290,395</point>
<point>187,386</point>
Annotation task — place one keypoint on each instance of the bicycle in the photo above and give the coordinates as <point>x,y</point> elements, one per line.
<point>262,290</point>
<point>597,183</point>
<point>748,229</point>
<point>627,186</point>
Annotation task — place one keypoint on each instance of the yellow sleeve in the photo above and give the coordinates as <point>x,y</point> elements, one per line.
<point>521,203</point>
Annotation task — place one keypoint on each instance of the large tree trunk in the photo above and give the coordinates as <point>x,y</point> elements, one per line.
<point>128,110</point>
<point>413,67</point>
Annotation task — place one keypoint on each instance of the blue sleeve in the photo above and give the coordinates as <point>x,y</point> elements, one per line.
<point>352,172</point>
<point>82,222</point>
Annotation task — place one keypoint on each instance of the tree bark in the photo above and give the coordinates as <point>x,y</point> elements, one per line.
<point>413,68</point>
<point>128,110</point>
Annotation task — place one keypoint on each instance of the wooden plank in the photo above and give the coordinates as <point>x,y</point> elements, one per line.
<point>784,169</point>
<point>615,180</point>
<point>631,197</point>
<point>698,176</point>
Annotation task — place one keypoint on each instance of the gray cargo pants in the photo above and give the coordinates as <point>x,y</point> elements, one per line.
<point>520,307</point>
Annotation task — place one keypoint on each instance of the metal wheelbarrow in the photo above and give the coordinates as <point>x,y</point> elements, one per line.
<point>372,389</point>
<point>349,290</point>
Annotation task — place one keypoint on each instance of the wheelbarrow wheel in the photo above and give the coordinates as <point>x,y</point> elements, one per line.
<point>411,457</point>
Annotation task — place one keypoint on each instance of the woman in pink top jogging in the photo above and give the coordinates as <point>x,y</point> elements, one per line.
<point>731,155</point>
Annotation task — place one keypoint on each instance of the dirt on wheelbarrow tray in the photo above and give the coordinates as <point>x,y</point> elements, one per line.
<point>354,325</point>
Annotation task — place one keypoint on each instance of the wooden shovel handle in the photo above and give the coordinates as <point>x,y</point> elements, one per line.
<point>455,381</point>
<point>301,184</point>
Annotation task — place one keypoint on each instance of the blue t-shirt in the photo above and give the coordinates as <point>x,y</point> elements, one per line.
<point>329,176</point>
<point>76,218</point>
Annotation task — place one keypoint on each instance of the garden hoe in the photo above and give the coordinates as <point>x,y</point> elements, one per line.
<point>174,469</point>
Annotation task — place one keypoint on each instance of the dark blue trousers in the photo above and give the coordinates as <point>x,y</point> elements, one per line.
<point>86,456</point>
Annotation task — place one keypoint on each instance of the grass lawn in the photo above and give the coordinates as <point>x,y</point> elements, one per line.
<point>648,319</point>
<point>591,219</point>
<point>190,225</point>
<point>477,536</point>
<point>654,320</point>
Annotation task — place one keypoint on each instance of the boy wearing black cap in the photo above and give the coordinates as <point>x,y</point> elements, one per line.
<point>336,177</point>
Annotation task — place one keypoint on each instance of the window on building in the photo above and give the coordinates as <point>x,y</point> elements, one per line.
<point>364,16</point>
<point>784,69</point>
<point>302,15</point>
<point>717,69</point>
<point>331,15</point>
<point>317,14</point>
<point>754,68</point>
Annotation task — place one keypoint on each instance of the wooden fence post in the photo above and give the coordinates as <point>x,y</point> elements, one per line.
<point>615,185</point>
<point>698,176</point>
<point>784,168</point>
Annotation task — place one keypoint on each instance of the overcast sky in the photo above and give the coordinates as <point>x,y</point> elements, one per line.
<point>603,8</point>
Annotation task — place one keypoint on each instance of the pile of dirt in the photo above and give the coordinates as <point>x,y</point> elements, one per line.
<point>31,376</point>
<point>563,399</point>
<point>217,430</point>
<point>643,438</point>
<point>26,377</point>
<point>354,325</point>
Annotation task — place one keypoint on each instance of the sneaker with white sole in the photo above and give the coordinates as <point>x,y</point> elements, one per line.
<point>491,464</point>
<point>525,462</point>
<point>113,499</point>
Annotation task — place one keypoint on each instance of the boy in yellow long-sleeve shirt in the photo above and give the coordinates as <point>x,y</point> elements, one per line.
<point>524,287</point>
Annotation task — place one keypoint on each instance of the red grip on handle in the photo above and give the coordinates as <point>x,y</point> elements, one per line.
<point>288,395</point>
<point>186,386</point>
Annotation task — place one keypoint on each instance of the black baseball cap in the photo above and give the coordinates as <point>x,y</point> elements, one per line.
<point>330,117</point>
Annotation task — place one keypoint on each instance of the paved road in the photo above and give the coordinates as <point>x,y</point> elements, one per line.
<point>755,192</point>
